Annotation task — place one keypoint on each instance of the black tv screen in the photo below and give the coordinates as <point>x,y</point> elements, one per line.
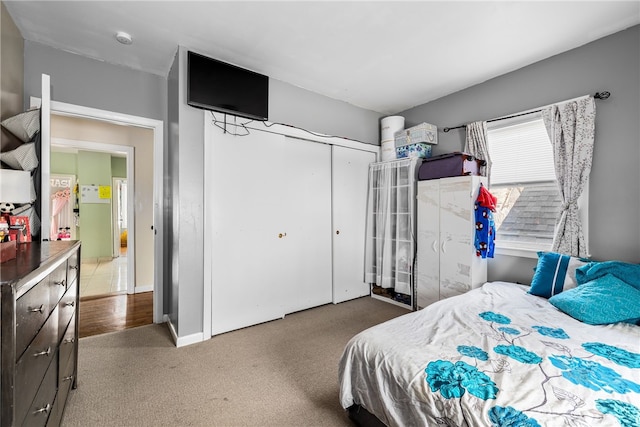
<point>218,86</point>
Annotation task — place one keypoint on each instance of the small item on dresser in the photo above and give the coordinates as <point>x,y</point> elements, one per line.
<point>19,226</point>
<point>449,165</point>
<point>7,246</point>
<point>7,250</point>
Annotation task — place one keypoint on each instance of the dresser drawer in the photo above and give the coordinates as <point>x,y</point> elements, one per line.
<point>33,364</point>
<point>68,344</point>
<point>65,381</point>
<point>57,283</point>
<point>32,309</point>
<point>73,268</point>
<point>66,308</point>
<point>42,405</point>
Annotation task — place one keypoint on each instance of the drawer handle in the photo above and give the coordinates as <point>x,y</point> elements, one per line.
<point>73,267</point>
<point>70,304</point>
<point>60,283</point>
<point>44,409</point>
<point>37,310</point>
<point>69,378</point>
<point>43,353</point>
<point>69,340</point>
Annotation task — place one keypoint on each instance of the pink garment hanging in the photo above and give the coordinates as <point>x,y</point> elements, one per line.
<point>60,199</point>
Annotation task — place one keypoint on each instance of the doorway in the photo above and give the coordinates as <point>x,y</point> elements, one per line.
<point>155,194</point>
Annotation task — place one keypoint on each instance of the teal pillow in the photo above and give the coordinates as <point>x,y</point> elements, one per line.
<point>601,302</point>
<point>554,273</point>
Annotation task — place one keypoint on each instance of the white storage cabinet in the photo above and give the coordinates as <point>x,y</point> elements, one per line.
<point>447,264</point>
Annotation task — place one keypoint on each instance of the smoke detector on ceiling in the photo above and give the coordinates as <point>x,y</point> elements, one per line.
<point>124,38</point>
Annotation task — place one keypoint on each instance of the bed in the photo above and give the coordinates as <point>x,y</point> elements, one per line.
<point>494,356</point>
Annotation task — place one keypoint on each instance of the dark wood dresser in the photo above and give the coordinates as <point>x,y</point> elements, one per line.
<point>39,342</point>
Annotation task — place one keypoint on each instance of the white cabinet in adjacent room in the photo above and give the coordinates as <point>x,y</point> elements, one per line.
<point>447,264</point>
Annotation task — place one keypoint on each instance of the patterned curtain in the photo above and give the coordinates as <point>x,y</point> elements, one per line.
<point>476,144</point>
<point>571,129</point>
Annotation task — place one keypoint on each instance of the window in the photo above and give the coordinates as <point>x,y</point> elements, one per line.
<point>524,181</point>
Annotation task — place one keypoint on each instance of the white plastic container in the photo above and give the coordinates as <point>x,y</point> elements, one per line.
<point>389,126</point>
<point>387,150</point>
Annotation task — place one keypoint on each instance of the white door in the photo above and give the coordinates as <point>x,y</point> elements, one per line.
<point>45,157</point>
<point>247,229</point>
<point>306,219</point>
<point>350,171</point>
<point>429,245</point>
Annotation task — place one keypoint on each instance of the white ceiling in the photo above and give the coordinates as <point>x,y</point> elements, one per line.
<point>383,56</point>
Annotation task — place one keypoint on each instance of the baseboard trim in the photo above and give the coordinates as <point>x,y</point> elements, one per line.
<point>182,341</point>
<point>140,289</point>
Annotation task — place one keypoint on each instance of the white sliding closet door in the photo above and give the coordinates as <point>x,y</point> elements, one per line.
<point>247,259</point>
<point>306,215</point>
<point>270,199</point>
<point>350,171</point>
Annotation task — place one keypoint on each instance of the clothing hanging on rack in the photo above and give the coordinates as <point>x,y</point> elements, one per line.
<point>485,226</point>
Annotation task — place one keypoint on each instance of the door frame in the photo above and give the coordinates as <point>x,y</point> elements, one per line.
<point>114,215</point>
<point>128,151</point>
<point>157,126</point>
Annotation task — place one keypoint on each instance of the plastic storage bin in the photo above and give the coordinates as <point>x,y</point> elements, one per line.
<point>414,150</point>
<point>423,133</point>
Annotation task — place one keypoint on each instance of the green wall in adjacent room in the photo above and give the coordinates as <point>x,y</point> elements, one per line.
<point>119,167</point>
<point>64,163</point>
<point>95,218</point>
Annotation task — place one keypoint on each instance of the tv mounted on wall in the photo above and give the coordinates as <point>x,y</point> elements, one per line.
<point>218,86</point>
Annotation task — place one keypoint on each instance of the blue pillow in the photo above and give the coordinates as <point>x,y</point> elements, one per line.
<point>628,273</point>
<point>601,302</point>
<point>554,273</point>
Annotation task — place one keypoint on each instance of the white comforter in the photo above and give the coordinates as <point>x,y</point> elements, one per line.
<point>494,356</point>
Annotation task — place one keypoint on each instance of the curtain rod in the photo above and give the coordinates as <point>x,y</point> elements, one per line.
<point>598,95</point>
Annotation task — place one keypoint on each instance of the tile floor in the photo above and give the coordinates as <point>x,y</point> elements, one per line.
<point>103,277</point>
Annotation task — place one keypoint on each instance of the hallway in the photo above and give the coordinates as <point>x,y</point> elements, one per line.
<point>104,277</point>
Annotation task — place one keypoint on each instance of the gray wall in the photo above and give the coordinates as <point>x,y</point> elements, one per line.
<point>90,83</point>
<point>11,76</point>
<point>611,63</point>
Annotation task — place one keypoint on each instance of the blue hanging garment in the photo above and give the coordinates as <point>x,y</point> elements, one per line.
<point>485,226</point>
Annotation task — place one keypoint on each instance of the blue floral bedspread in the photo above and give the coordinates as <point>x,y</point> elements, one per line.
<point>495,356</point>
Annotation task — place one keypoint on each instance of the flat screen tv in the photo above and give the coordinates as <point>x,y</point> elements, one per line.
<point>218,86</point>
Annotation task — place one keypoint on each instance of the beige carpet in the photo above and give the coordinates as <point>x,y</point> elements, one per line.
<point>280,373</point>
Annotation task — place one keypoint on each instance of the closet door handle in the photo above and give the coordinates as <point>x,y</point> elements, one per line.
<point>434,246</point>
<point>281,235</point>
<point>444,248</point>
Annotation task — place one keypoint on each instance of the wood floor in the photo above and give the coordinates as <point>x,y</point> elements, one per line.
<point>99,315</point>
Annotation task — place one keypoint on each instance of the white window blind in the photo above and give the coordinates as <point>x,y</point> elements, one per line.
<point>520,153</point>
